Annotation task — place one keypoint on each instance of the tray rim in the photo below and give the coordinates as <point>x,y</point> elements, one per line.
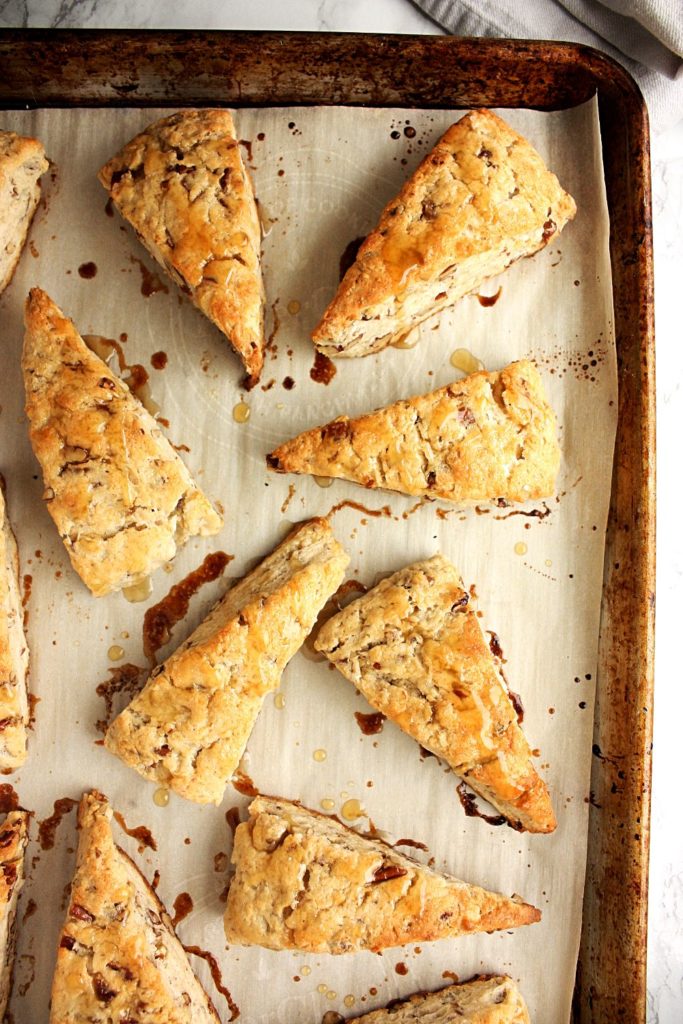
<point>611,972</point>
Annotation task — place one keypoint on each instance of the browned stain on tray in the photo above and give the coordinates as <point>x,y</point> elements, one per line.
<point>370,724</point>
<point>47,828</point>
<point>216,976</point>
<point>33,702</point>
<point>127,679</point>
<point>359,507</point>
<point>87,270</point>
<point>182,906</point>
<point>159,360</point>
<point>141,834</point>
<point>160,619</point>
<point>150,282</point>
<point>323,369</point>
<point>414,843</point>
<point>490,300</point>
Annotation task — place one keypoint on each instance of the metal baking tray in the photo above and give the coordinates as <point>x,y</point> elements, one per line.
<point>164,68</point>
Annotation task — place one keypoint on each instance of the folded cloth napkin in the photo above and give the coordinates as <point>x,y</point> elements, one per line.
<point>646,36</point>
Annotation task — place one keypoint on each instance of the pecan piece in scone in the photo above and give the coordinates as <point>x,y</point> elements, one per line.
<point>183,186</point>
<point>305,881</point>
<point>14,656</point>
<point>415,650</point>
<point>188,727</point>
<point>22,162</point>
<point>487,437</point>
<point>118,957</point>
<point>120,495</point>
<point>480,200</point>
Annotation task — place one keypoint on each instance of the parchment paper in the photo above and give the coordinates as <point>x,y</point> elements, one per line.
<point>323,176</point>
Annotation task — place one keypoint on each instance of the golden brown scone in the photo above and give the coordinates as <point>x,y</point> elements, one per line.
<point>480,200</point>
<point>416,651</point>
<point>14,713</point>
<point>483,1000</point>
<point>189,726</point>
<point>13,842</point>
<point>488,436</point>
<point>183,186</point>
<point>120,496</point>
<point>119,959</point>
<point>22,161</point>
<point>305,881</point>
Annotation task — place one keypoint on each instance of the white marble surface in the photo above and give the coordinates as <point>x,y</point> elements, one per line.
<point>665,971</point>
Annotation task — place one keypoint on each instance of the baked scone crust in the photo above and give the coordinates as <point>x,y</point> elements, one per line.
<point>483,1000</point>
<point>480,200</point>
<point>14,655</point>
<point>305,881</point>
<point>120,496</point>
<point>13,843</point>
<point>487,436</point>
<point>416,651</point>
<point>119,958</point>
<point>183,186</point>
<point>22,162</point>
<point>188,727</point>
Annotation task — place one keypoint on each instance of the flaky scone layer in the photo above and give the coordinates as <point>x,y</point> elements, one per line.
<point>488,436</point>
<point>188,727</point>
<point>14,655</point>
<point>22,162</point>
<point>305,881</point>
<point>416,651</point>
<point>13,843</point>
<point>120,495</point>
<point>119,959</point>
<point>484,1000</point>
<point>183,186</point>
<point>480,200</point>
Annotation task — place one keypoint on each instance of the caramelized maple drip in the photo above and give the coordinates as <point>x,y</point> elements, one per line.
<point>162,617</point>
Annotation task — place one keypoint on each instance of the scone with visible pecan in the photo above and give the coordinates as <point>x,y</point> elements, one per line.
<point>119,958</point>
<point>488,436</point>
<point>188,727</point>
<point>121,497</point>
<point>416,651</point>
<point>483,1000</point>
<point>183,186</point>
<point>305,881</point>
<point>13,842</point>
<point>22,162</point>
<point>480,200</point>
<point>14,713</point>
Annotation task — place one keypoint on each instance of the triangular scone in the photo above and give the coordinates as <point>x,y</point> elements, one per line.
<point>480,200</point>
<point>415,650</point>
<point>183,186</point>
<point>119,958</point>
<point>488,436</point>
<point>13,842</point>
<point>188,727</point>
<point>305,881</point>
<point>14,713</point>
<point>484,1000</point>
<point>121,497</point>
<point>22,161</point>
